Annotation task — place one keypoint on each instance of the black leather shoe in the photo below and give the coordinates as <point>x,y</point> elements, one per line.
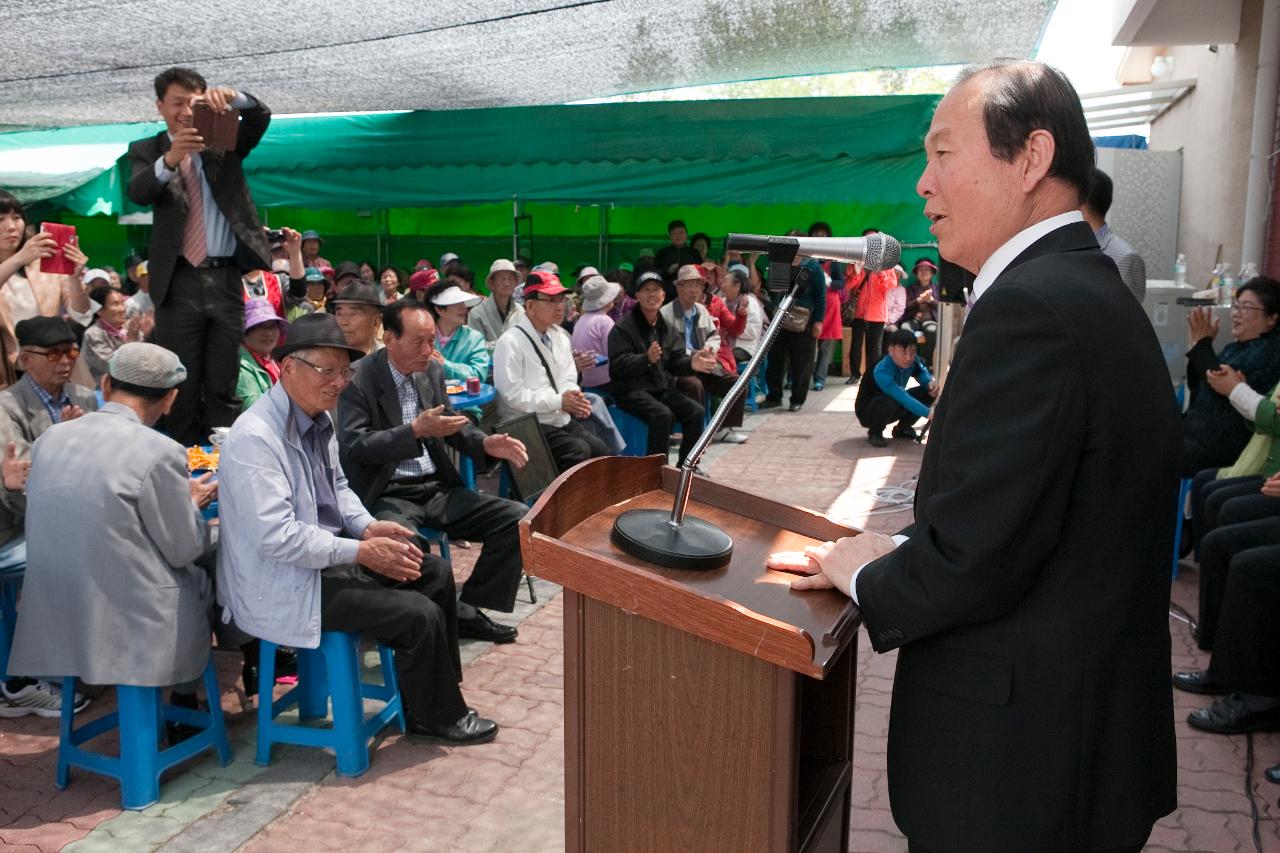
<point>471,729</point>
<point>771,404</point>
<point>176,733</point>
<point>904,432</point>
<point>1230,716</point>
<point>1272,774</point>
<point>876,439</point>
<point>795,407</point>
<point>481,627</point>
<point>1197,681</point>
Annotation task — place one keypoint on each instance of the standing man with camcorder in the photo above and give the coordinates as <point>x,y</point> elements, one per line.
<point>206,234</point>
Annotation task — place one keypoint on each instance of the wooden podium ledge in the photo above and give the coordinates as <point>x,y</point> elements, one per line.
<point>565,538</point>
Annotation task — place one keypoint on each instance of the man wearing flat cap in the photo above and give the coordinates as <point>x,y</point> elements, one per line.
<point>116,597</point>
<point>301,554</point>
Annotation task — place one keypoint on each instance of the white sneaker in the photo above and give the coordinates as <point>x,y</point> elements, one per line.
<point>733,436</point>
<point>41,699</point>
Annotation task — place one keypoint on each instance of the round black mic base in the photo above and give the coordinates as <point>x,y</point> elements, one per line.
<point>695,545</point>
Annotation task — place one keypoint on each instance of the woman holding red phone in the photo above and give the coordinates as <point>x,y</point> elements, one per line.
<point>28,292</point>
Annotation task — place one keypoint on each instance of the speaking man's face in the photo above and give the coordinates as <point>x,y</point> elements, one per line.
<point>974,199</point>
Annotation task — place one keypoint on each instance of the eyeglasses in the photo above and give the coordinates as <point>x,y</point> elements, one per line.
<point>1238,307</point>
<point>70,353</point>
<point>328,372</point>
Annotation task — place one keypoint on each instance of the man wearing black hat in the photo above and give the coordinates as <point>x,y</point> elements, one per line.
<point>43,397</point>
<point>300,553</point>
<point>206,235</point>
<point>359,313</point>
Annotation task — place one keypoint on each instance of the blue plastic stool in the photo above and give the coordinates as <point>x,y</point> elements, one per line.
<point>329,672</point>
<point>13,565</point>
<point>430,534</point>
<point>140,718</point>
<point>634,432</point>
<point>1183,490</point>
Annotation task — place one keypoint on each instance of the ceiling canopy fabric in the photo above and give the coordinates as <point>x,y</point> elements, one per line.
<point>92,63</point>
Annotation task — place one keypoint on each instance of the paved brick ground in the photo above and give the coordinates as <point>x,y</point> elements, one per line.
<point>509,795</point>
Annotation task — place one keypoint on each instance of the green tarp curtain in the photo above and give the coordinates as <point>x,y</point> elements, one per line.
<point>763,165</point>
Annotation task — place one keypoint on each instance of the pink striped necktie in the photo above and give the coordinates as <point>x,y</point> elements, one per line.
<point>194,247</point>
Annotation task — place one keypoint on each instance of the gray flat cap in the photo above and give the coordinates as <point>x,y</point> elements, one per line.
<point>146,365</point>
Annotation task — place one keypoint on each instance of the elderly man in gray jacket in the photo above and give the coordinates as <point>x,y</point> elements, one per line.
<point>116,598</point>
<point>300,554</point>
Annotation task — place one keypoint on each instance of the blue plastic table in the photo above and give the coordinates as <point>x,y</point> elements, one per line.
<point>473,401</point>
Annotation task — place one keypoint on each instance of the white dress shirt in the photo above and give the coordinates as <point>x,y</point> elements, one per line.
<point>219,236</point>
<point>990,271</point>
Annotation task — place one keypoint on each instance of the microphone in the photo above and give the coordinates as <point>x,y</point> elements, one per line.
<point>875,251</point>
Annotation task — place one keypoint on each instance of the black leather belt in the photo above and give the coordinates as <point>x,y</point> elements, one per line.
<point>207,263</point>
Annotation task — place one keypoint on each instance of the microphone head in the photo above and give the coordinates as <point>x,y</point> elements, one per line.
<point>883,252</point>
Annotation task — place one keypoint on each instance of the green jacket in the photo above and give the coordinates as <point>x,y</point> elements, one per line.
<point>1266,422</point>
<point>466,356</point>
<point>253,381</point>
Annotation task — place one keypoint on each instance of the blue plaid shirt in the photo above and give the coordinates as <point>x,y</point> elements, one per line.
<point>410,406</point>
<point>52,404</point>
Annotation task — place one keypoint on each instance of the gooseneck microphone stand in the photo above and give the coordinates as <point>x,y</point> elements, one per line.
<point>680,541</point>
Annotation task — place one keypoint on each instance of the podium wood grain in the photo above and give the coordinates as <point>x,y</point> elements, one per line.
<point>695,717</point>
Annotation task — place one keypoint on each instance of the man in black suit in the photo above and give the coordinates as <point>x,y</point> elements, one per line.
<point>1028,601</point>
<point>205,235</point>
<point>394,421</point>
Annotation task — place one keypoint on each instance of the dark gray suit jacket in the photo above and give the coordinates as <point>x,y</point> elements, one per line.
<point>373,438</point>
<point>224,172</point>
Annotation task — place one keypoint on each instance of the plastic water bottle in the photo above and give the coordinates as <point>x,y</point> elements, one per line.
<point>1226,287</point>
<point>1248,271</point>
<point>1180,271</point>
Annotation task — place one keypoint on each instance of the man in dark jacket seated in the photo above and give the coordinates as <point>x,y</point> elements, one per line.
<point>887,399</point>
<point>645,357</point>
<point>394,421</point>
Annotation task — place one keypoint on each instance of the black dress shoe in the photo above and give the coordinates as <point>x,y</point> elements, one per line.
<point>471,729</point>
<point>905,432</point>
<point>1231,716</point>
<point>877,439</point>
<point>771,404</point>
<point>176,733</point>
<point>481,627</point>
<point>795,407</point>
<point>1272,774</point>
<point>1197,681</point>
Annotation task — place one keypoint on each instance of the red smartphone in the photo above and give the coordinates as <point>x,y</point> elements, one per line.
<point>58,264</point>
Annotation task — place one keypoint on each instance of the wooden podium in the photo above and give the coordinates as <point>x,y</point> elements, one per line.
<point>703,710</point>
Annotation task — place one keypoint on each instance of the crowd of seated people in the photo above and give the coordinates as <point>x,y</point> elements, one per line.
<point>1233,459</point>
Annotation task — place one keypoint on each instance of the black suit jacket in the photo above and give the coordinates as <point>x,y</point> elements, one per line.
<point>1031,706</point>
<point>224,171</point>
<point>373,438</point>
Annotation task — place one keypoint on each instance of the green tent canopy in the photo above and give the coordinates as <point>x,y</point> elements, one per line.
<point>597,180</point>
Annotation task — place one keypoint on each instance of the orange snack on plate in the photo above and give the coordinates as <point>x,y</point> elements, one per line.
<point>199,459</point>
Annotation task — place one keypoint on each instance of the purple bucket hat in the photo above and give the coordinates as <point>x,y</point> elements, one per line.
<point>259,311</point>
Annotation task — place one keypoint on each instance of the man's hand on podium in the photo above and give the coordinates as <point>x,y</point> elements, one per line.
<point>831,564</point>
